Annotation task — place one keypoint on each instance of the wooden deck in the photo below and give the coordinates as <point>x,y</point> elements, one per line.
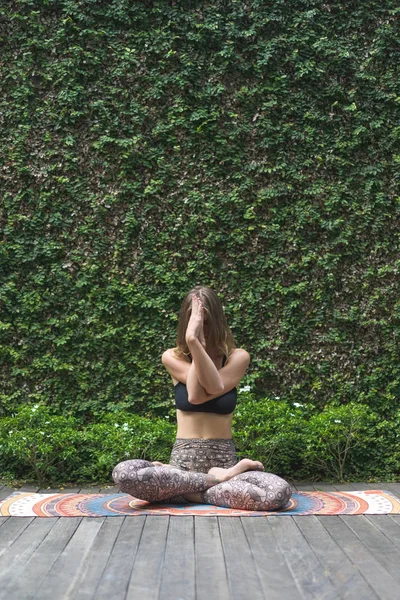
<point>210,558</point>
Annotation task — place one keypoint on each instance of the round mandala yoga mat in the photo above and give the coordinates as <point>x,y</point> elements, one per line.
<point>27,504</point>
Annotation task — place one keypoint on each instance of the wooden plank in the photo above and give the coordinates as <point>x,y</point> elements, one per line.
<point>242,574</point>
<point>29,487</point>
<point>391,487</point>
<point>110,489</point>
<point>346,487</point>
<point>305,566</point>
<point>364,485</point>
<point>379,545</point>
<point>292,484</point>
<point>303,486</point>
<point>275,576</point>
<point>385,524</point>
<point>178,573</point>
<point>395,519</point>
<point>117,572</point>
<point>211,578</point>
<point>91,489</point>
<point>147,569</point>
<point>322,486</point>
<point>52,490</point>
<point>22,549</point>
<point>394,488</point>
<point>94,563</point>
<point>10,532</point>
<point>61,578</point>
<point>378,578</point>
<point>347,580</point>
<point>7,491</point>
<point>29,575</point>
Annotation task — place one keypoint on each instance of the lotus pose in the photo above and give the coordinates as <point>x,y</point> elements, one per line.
<point>206,368</point>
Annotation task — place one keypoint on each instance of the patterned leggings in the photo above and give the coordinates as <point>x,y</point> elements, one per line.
<point>187,473</point>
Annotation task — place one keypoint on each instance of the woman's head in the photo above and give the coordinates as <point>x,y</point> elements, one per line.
<point>217,333</point>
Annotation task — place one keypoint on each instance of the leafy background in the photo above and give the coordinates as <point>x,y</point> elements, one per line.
<point>148,147</point>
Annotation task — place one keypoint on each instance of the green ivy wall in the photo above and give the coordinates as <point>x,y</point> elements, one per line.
<point>148,147</point>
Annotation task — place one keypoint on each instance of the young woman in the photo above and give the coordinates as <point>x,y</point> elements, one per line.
<point>206,368</point>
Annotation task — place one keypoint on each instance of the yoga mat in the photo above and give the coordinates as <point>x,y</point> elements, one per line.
<point>26,504</point>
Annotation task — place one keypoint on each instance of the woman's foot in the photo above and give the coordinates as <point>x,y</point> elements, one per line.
<point>241,467</point>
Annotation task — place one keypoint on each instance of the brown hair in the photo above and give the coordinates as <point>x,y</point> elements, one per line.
<point>220,335</point>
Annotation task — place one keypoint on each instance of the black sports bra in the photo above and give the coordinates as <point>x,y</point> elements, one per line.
<point>223,405</point>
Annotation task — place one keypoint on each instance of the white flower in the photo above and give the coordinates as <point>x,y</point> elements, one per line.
<point>292,414</point>
<point>297,404</point>
<point>10,432</point>
<point>246,388</point>
<point>338,421</point>
<point>166,416</point>
<point>127,454</point>
<point>35,407</point>
<point>277,397</point>
<point>47,422</point>
<point>116,425</point>
<point>125,427</point>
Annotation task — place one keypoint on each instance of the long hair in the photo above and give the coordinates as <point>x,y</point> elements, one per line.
<point>219,336</point>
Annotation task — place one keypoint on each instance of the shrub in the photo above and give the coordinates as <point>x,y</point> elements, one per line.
<point>121,437</point>
<point>35,443</point>
<point>383,449</point>
<point>271,431</point>
<point>336,437</point>
<point>292,441</point>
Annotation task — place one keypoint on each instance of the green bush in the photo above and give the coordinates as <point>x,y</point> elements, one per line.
<point>121,437</point>
<point>270,431</point>
<point>333,437</point>
<point>292,441</point>
<point>383,449</point>
<point>301,442</point>
<point>34,443</point>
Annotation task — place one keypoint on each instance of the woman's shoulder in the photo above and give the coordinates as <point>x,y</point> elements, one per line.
<point>238,351</point>
<point>174,352</point>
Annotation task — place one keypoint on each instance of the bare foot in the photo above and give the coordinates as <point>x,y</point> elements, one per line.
<point>244,465</point>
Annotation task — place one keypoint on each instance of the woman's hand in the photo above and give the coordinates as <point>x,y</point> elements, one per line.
<point>195,325</point>
<point>202,339</point>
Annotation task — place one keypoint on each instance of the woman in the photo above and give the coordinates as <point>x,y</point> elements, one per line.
<point>203,464</point>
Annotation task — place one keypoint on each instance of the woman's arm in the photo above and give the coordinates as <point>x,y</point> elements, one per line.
<point>203,370</point>
<point>194,388</point>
